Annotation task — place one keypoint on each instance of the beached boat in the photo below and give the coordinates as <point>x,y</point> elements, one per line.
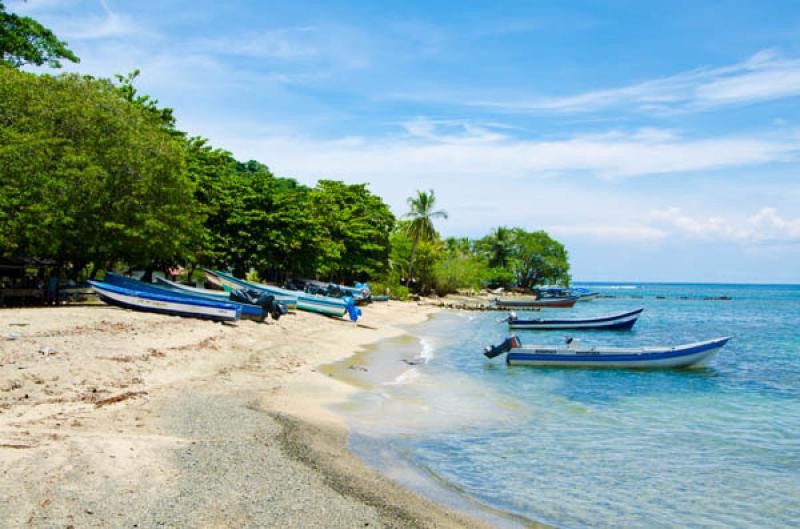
<point>249,311</point>
<point>360,292</point>
<point>523,303</point>
<point>575,354</point>
<point>618,322</point>
<point>166,304</point>
<point>289,301</point>
<point>307,302</point>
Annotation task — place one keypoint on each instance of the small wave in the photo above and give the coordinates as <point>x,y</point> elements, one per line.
<point>427,350</point>
<point>615,287</point>
<point>404,378</point>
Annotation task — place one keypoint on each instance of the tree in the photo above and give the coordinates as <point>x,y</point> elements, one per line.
<point>498,247</point>
<point>420,228</point>
<point>23,41</point>
<point>130,94</point>
<point>459,266</point>
<point>88,177</point>
<point>426,255</point>
<point>356,226</point>
<point>539,259</point>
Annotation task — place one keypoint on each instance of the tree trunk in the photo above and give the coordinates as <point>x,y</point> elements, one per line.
<point>411,260</point>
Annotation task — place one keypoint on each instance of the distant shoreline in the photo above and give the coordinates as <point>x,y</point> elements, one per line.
<point>691,283</point>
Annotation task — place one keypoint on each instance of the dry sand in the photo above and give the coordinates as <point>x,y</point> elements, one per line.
<point>114,418</point>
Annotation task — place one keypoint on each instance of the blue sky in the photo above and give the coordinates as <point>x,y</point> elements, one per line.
<point>657,140</point>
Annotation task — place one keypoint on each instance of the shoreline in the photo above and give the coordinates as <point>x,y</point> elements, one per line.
<point>114,418</point>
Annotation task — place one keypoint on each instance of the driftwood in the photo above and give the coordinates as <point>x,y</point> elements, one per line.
<point>119,398</point>
<point>18,446</point>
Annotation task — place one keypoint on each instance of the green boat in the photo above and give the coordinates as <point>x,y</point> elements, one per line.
<point>307,302</point>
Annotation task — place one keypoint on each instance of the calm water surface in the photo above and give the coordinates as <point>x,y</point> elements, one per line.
<point>717,447</point>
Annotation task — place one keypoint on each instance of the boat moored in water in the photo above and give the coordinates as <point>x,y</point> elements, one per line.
<point>165,304</point>
<point>614,322</point>
<point>575,354</point>
<point>523,303</point>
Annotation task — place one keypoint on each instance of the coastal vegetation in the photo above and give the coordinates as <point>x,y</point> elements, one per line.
<point>97,176</point>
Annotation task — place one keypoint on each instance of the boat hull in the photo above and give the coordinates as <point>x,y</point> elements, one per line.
<point>230,283</point>
<point>687,356</point>
<point>318,304</point>
<point>161,304</point>
<point>221,295</point>
<point>617,322</point>
<point>248,312</point>
<point>543,303</point>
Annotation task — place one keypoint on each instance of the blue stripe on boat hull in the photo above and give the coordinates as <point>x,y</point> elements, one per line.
<point>624,321</point>
<point>118,296</point>
<point>250,312</point>
<point>122,304</point>
<point>613,326</point>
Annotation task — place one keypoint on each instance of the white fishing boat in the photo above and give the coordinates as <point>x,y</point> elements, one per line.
<point>166,304</point>
<point>623,321</point>
<point>575,354</point>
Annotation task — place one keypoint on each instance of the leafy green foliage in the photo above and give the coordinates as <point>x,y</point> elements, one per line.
<point>23,41</point>
<point>539,259</point>
<point>96,174</point>
<point>420,226</point>
<point>520,258</point>
<point>355,231</point>
<point>87,177</point>
<point>459,267</point>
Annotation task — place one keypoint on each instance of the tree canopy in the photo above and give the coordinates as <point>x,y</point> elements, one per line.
<point>88,177</point>
<point>96,175</point>
<point>23,41</point>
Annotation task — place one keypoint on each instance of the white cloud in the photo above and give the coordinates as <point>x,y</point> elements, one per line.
<point>765,226</point>
<point>433,150</point>
<point>284,43</point>
<point>65,20</point>
<point>763,76</point>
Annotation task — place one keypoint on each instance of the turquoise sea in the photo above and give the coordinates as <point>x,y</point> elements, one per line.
<point>710,448</point>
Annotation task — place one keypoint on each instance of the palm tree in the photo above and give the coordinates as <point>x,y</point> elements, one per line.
<point>420,227</point>
<point>500,247</point>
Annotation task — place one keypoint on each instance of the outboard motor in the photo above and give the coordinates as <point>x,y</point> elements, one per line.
<point>512,342</point>
<point>264,300</point>
<point>352,311</point>
<point>245,295</point>
<point>274,308</point>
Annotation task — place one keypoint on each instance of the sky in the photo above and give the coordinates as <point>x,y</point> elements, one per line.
<point>659,141</point>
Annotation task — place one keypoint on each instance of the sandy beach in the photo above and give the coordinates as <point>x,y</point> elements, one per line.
<point>114,418</point>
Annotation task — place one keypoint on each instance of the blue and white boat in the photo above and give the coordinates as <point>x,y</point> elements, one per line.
<point>575,354</point>
<point>165,304</point>
<point>583,294</point>
<point>289,301</point>
<point>615,322</point>
<point>308,302</point>
<point>248,311</point>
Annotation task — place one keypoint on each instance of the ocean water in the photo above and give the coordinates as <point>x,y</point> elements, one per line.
<point>574,448</point>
